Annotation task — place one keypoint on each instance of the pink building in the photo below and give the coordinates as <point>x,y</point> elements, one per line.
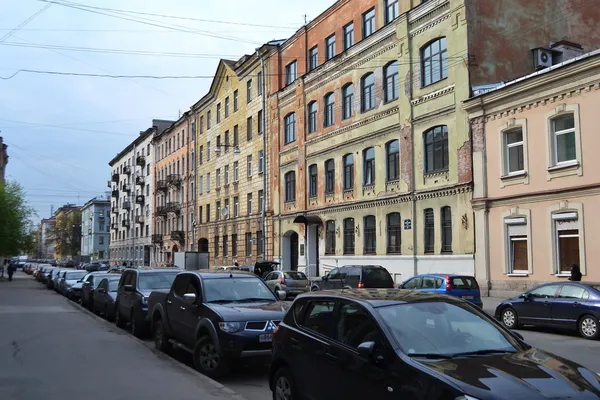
<point>536,162</point>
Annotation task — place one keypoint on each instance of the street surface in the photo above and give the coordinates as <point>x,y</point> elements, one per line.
<point>50,348</point>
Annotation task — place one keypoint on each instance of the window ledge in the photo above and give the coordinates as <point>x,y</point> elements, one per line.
<point>519,274</point>
<point>514,175</point>
<point>434,173</point>
<point>568,275</point>
<point>260,172</point>
<point>566,165</point>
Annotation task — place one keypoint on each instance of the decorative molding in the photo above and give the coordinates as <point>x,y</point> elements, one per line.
<point>433,95</point>
<point>430,25</point>
<point>453,191</point>
<point>422,16</point>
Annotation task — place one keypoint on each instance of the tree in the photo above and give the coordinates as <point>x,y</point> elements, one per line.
<point>15,215</point>
<point>65,234</point>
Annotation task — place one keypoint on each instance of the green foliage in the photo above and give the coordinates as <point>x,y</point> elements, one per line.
<point>15,215</point>
<point>65,234</point>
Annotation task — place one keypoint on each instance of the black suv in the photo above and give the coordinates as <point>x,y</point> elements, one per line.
<point>403,344</point>
<point>355,277</point>
<point>135,286</point>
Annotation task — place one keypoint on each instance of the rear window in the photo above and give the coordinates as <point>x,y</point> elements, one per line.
<point>294,275</point>
<point>380,275</point>
<point>463,282</point>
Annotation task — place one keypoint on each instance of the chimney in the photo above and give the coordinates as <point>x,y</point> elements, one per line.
<point>565,50</point>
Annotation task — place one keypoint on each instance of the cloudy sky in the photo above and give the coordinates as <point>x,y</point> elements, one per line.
<point>63,130</point>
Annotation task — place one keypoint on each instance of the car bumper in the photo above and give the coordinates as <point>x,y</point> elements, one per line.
<point>244,344</point>
<point>295,291</point>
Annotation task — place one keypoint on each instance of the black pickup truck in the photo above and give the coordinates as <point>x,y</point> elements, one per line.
<point>217,316</point>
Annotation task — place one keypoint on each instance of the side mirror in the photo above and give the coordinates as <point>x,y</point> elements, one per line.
<point>282,294</point>
<point>101,290</point>
<point>517,334</point>
<point>128,288</point>
<point>525,296</point>
<point>366,349</point>
<point>189,298</point>
<point>325,277</point>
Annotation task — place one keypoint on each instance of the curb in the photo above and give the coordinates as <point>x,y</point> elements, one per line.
<point>221,390</point>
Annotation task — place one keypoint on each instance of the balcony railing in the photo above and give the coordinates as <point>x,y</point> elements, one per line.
<point>139,199</point>
<point>115,177</point>
<point>127,205</point>
<point>127,187</point>
<point>158,239</point>
<point>127,169</point>
<point>139,180</point>
<point>140,160</point>
<point>114,225</point>
<point>115,193</point>
<point>126,223</point>
<point>139,219</point>
<point>178,236</point>
<point>174,179</point>
<point>161,211</point>
<point>173,207</point>
<point>162,185</point>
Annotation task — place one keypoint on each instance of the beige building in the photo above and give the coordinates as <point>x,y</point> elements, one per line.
<point>537,178</point>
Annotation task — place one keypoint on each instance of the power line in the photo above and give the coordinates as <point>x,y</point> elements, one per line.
<point>66,127</point>
<point>28,20</point>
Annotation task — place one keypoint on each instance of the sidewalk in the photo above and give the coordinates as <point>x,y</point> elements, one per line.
<point>490,304</point>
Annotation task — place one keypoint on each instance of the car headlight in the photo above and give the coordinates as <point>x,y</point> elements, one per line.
<point>230,327</point>
<point>466,397</point>
<point>144,301</point>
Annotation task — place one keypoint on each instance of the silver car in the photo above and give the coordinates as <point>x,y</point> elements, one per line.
<point>291,282</point>
<point>65,286</point>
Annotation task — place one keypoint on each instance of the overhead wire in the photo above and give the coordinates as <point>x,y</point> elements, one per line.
<point>28,20</point>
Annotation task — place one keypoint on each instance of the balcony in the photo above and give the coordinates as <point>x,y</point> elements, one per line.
<point>126,223</point>
<point>139,199</point>
<point>157,239</point>
<point>161,211</point>
<point>114,226</point>
<point>174,179</point>
<point>115,193</point>
<point>114,209</point>
<point>139,180</point>
<point>127,205</point>
<point>173,207</point>
<point>162,185</point>
<point>178,236</point>
<point>127,169</point>
<point>139,219</point>
<point>115,177</point>
<point>140,160</point>
<point>126,187</point>
<point>109,183</point>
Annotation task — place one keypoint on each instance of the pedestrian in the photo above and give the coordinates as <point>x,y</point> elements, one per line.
<point>575,273</point>
<point>11,271</point>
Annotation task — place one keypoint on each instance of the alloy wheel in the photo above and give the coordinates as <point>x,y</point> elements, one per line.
<point>589,327</point>
<point>209,357</point>
<point>509,318</point>
<point>283,389</point>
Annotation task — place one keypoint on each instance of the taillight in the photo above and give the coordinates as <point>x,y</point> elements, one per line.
<point>282,281</point>
<point>275,330</point>
<point>361,285</point>
<point>448,284</point>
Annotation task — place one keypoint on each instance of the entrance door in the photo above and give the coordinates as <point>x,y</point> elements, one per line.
<point>203,246</point>
<point>294,252</point>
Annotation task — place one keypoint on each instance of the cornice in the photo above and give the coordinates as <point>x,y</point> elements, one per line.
<point>433,95</point>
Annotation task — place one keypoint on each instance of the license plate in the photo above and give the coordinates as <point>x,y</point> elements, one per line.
<point>468,297</point>
<point>265,338</point>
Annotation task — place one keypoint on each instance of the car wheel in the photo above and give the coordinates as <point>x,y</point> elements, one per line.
<point>136,329</point>
<point>161,340</point>
<point>208,360</point>
<point>284,386</point>
<point>589,327</point>
<point>509,318</point>
<point>119,319</point>
<point>314,288</point>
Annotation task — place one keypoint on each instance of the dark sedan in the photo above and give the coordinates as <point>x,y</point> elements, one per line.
<point>105,296</point>
<point>569,305</point>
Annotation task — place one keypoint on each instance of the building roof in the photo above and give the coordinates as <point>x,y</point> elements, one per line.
<point>157,125</point>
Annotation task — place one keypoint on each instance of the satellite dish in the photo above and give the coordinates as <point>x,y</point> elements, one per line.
<point>224,212</point>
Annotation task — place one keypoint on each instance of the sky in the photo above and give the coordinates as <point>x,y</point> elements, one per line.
<point>62,130</point>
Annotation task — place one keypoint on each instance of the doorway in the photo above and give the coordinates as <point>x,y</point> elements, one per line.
<point>294,252</point>
<point>203,246</point>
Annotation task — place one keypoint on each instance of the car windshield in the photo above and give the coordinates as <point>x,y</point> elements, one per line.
<point>113,285</point>
<point>294,275</point>
<point>98,279</point>
<point>376,275</point>
<point>444,329</point>
<point>236,289</point>
<point>156,280</point>
<point>75,275</point>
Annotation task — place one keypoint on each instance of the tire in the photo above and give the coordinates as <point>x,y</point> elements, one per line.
<point>208,361</point>
<point>119,319</point>
<point>161,340</point>
<point>107,313</point>
<point>509,318</point>
<point>284,387</point>
<point>314,288</point>
<point>589,328</point>
<point>136,330</point>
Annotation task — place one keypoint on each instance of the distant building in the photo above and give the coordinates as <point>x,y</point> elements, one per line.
<point>95,228</point>
<point>67,241</point>
<point>3,160</point>
<point>46,246</point>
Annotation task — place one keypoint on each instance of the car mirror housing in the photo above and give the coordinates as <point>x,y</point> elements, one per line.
<point>366,349</point>
<point>189,298</point>
<point>128,288</point>
<point>281,294</point>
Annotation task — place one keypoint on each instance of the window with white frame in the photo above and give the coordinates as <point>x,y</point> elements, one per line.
<point>236,171</point>
<point>514,151</point>
<point>563,134</point>
<point>236,207</point>
<point>566,234</point>
<point>227,175</point>
<point>261,161</point>
<point>218,175</point>
<point>249,164</point>
<point>516,230</point>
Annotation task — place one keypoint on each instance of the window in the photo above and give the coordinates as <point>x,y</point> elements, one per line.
<point>235,101</point>
<point>227,175</point>
<point>573,292</point>
<point>429,239</point>
<point>201,185</point>
<point>249,128</point>
<point>329,176</point>
<point>566,231</point>
<point>248,244</point>
<point>234,245</point>
<point>261,161</point>
<point>348,35</point>
<point>513,141</point>
<point>436,149</point>
<point>249,91</point>
<point>226,141</point>
<point>236,172</point>
<point>370,231</point>
<point>368,92</point>
<point>201,124</point>
<point>319,317</point>
<point>218,113</point>
<point>545,292</point>
<point>201,155</point>
<point>260,83</point>
<point>313,58</point>
<point>290,72</point>
<point>434,62</point>
<point>208,182</point>
<point>207,151</point>
<point>261,201</point>
<point>348,171</point>
<point>368,23</point>
<point>312,116</point>
<point>249,164</point>
<point>329,110</point>
<point>249,203</point>
<point>226,107</point>
<point>414,283</point>
<point>446,216</point>
<point>260,122</point>
<point>260,243</point>
<point>208,213</point>
<point>563,131</point>
<point>394,231</point>
<point>518,260</point>
<point>236,207</point>
<point>330,47</point>
<point>218,177</point>
<point>225,246</point>
<point>391,90</point>
<point>369,166</point>
<point>290,187</point>
<point>391,10</point>
<point>349,236</point>
<point>392,152</point>
<point>236,136</point>
<point>330,237</point>
<point>216,246</point>
<point>208,119</point>
<point>347,101</point>
<point>313,179</point>
<point>355,327</point>
<point>289,128</point>
<point>218,211</point>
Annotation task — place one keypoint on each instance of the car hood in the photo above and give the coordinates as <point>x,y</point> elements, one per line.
<point>147,293</point>
<point>77,285</point>
<point>237,312</point>
<point>532,374</point>
<point>71,282</point>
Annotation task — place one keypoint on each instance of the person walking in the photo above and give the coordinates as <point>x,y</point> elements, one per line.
<point>11,270</point>
<point>575,273</point>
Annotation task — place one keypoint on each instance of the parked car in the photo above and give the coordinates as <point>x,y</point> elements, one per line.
<point>135,287</point>
<point>291,282</point>
<point>49,279</point>
<point>355,276</point>
<point>463,286</point>
<point>449,350</point>
<point>56,278</point>
<point>70,278</point>
<point>570,305</point>
<point>90,283</point>
<point>105,296</point>
<point>218,317</point>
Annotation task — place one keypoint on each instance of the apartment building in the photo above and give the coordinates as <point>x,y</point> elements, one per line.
<point>95,228</point>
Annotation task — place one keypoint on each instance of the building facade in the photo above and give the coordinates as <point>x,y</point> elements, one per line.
<point>46,244</point>
<point>132,183</point>
<point>231,221</point>
<point>95,228</point>
<point>174,189</point>
<point>3,160</point>
<point>536,177</point>
<point>65,233</point>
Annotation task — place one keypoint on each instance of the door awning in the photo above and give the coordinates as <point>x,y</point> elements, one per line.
<point>308,220</point>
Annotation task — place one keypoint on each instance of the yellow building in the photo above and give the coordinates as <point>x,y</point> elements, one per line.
<point>230,160</point>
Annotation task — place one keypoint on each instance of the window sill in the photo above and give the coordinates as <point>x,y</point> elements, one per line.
<point>423,86</point>
<point>518,274</point>
<point>434,173</point>
<point>514,175</point>
<point>563,275</point>
<point>563,166</point>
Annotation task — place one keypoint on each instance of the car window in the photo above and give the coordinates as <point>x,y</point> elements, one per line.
<point>544,292</point>
<point>333,273</point>
<point>251,289</point>
<point>297,309</point>
<point>439,282</point>
<point>113,285</point>
<point>412,283</point>
<point>181,284</point>
<point>376,276</point>
<point>573,292</point>
<point>294,275</point>
<point>319,317</point>
<point>156,280</point>
<point>428,283</point>
<point>464,282</point>
<point>355,326</point>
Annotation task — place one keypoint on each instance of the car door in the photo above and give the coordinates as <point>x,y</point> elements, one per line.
<point>176,308</point>
<point>327,281</point>
<point>189,318</point>
<point>536,309</point>
<point>100,295</point>
<point>271,280</point>
<point>336,280</point>
<point>568,306</point>
<point>86,289</point>
<point>123,296</point>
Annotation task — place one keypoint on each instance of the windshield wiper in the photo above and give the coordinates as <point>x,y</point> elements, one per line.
<point>434,356</point>
<point>221,301</point>
<point>483,352</point>
<point>249,299</point>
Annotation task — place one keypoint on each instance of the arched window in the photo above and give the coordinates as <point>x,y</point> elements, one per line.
<point>369,166</point>
<point>330,237</point>
<point>329,176</point>
<point>313,181</point>
<point>436,149</point>
<point>367,92</point>
<point>312,110</point>
<point>394,230</point>
<point>347,101</point>
<point>348,171</point>
<point>391,84</point>
<point>289,128</point>
<point>392,155</point>
<point>329,110</point>
<point>370,233</point>
<point>434,62</point>
<point>290,186</point>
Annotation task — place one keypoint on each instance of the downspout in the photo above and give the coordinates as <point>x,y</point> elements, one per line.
<point>413,179</point>
<point>265,152</point>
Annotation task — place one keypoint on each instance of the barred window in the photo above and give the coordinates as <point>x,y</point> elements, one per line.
<point>330,237</point>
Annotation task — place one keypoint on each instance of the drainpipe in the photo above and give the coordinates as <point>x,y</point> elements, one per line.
<point>265,152</point>
<point>412,135</point>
